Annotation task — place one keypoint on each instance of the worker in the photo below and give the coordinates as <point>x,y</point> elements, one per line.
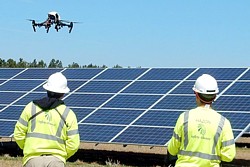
<point>202,137</point>
<point>47,129</point>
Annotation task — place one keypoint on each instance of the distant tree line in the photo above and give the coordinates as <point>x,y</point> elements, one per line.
<point>10,63</point>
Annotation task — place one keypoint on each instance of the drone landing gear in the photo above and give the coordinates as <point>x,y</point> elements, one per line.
<point>70,27</point>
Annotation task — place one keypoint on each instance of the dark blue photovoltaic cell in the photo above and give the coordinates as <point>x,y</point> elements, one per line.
<point>246,76</point>
<point>239,88</point>
<point>132,101</point>
<point>104,86</point>
<point>113,116</point>
<point>29,97</point>
<point>8,73</point>
<point>33,73</point>
<point>71,84</point>
<point>98,133</point>
<point>234,118</point>
<point>159,118</point>
<point>20,85</point>
<point>145,135</point>
<point>184,88</point>
<point>150,87</point>
<point>1,81</point>
<point>86,100</point>
<point>81,73</point>
<point>232,103</point>
<point>187,87</point>
<point>1,107</point>
<point>12,112</point>
<point>9,97</point>
<point>177,102</point>
<point>219,73</point>
<point>81,112</point>
<point>121,74</point>
<point>7,128</point>
<point>167,74</point>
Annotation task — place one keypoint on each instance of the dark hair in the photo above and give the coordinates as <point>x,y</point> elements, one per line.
<point>54,95</point>
<point>207,98</point>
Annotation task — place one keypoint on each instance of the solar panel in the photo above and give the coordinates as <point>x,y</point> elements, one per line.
<point>127,106</point>
<point>159,118</point>
<point>219,73</point>
<point>103,86</point>
<point>150,87</point>
<point>239,88</point>
<point>11,113</point>
<point>34,73</point>
<point>167,74</point>
<point>9,97</point>
<point>6,129</point>
<point>9,73</point>
<point>145,135</point>
<point>113,116</point>
<point>85,74</point>
<point>132,101</point>
<point>121,74</point>
<point>98,132</point>
<point>19,85</point>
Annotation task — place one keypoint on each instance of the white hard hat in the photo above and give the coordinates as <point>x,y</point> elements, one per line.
<point>206,84</point>
<point>57,83</point>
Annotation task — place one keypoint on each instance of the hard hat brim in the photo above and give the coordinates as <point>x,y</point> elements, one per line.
<point>56,90</point>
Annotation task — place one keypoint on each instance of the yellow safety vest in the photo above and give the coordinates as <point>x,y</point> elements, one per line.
<point>50,132</point>
<point>202,137</point>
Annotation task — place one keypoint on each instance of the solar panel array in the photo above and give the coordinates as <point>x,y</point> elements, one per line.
<point>128,105</point>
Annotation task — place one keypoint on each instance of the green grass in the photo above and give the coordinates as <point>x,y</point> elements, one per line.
<point>7,161</point>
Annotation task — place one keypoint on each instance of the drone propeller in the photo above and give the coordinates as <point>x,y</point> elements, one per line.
<point>66,21</point>
<point>33,24</point>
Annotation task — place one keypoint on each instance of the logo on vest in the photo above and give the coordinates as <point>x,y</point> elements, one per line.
<point>48,116</point>
<point>201,129</point>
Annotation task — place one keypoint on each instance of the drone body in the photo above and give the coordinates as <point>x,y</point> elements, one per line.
<point>52,19</point>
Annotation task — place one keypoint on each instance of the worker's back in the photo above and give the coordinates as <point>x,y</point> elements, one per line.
<point>202,132</point>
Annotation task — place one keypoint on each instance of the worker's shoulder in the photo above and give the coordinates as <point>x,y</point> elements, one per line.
<point>66,108</point>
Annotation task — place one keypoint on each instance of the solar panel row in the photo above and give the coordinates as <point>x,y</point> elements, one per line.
<point>128,106</point>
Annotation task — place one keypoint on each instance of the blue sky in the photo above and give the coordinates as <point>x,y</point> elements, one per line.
<point>146,33</point>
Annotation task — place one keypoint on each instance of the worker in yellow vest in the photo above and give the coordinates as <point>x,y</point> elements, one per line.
<point>202,137</point>
<point>47,129</point>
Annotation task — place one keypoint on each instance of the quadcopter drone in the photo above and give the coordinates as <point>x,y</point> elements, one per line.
<point>53,19</point>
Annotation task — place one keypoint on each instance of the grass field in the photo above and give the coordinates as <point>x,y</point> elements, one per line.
<point>7,161</point>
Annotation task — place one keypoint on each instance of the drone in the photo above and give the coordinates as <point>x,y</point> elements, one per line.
<point>53,19</point>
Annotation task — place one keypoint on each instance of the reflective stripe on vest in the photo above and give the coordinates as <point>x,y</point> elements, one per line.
<point>199,154</point>
<point>186,116</point>
<point>23,122</point>
<point>33,121</point>
<point>46,136</point>
<point>218,132</point>
<point>61,124</point>
<point>72,132</point>
<point>177,137</point>
<point>228,143</point>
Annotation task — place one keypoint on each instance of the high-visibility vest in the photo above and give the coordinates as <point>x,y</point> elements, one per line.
<point>50,132</point>
<point>202,137</point>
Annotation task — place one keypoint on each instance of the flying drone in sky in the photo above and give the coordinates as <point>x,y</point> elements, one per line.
<point>53,19</point>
